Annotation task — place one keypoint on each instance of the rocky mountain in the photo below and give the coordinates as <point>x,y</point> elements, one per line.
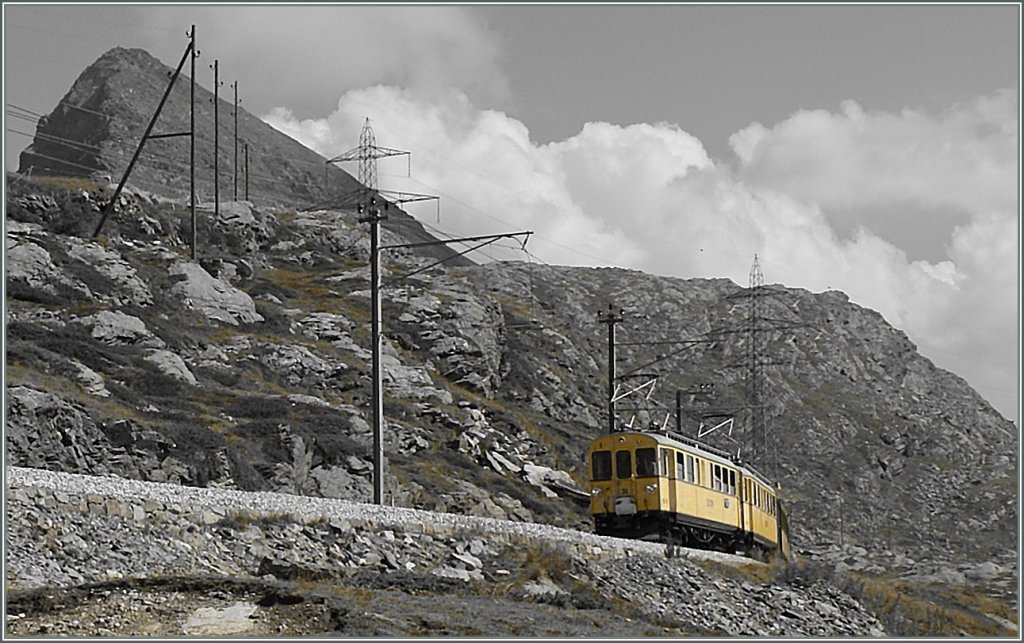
<point>249,367</point>
<point>96,128</point>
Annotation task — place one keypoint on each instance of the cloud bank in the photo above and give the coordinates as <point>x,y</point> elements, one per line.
<point>648,197</point>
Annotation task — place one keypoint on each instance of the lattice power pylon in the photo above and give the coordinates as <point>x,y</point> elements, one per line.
<point>755,361</point>
<point>759,435</point>
<point>367,154</point>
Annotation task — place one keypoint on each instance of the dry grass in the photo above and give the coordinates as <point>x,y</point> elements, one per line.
<point>906,608</point>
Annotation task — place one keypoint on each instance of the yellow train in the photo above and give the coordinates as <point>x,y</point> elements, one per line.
<point>679,491</point>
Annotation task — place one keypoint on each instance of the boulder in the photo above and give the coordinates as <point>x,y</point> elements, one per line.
<point>115,327</point>
<point>216,299</point>
<point>89,379</point>
<point>170,364</point>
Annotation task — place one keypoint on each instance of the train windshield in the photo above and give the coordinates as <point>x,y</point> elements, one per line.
<point>646,464</point>
<point>623,464</point>
<point>601,463</point>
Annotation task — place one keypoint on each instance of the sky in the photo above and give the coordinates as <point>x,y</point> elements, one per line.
<point>872,149</point>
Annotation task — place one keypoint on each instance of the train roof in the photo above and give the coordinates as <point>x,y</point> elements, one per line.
<point>671,438</point>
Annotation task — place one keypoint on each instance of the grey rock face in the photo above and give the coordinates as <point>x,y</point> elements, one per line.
<point>300,366</point>
<point>32,265</point>
<point>48,432</point>
<point>126,287</point>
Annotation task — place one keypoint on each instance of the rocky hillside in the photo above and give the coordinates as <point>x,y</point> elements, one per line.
<point>249,369</point>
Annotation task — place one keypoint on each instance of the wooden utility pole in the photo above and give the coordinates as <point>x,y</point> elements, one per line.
<point>192,141</point>
<point>216,141</point>
<point>235,86</point>
<point>246,171</point>
<point>611,318</point>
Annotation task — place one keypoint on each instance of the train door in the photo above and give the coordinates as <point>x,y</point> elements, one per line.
<point>670,486</point>
<point>625,498</point>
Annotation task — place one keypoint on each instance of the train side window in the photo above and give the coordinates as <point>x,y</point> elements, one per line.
<point>681,472</point>
<point>691,471</point>
<point>732,482</point>
<point>666,459</point>
<point>601,465</point>
<point>646,464</point>
<point>697,466</point>
<point>716,477</point>
<point>623,464</point>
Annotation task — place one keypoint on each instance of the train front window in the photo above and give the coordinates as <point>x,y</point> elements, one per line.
<point>646,465</point>
<point>623,464</point>
<point>601,462</point>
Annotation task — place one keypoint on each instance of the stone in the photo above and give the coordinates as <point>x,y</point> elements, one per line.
<point>471,561</point>
<point>115,327</point>
<point>170,364</point>
<point>212,297</point>
<point>90,380</point>
<point>451,572</point>
<point>216,622</point>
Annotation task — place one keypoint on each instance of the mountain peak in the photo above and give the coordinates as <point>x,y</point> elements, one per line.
<point>96,129</point>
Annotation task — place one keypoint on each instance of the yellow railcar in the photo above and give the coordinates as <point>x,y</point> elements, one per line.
<point>676,490</point>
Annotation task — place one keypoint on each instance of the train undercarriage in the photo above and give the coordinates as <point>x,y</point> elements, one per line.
<point>679,531</point>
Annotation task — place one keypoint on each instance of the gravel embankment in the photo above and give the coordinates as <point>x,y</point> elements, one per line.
<point>67,531</point>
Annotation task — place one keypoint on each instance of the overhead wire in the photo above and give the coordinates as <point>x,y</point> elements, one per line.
<point>502,221</point>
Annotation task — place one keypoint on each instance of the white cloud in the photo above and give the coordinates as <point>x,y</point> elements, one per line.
<point>965,157</point>
<point>648,197</point>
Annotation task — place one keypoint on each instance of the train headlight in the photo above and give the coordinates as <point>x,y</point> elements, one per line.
<point>651,488</point>
<point>596,491</point>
